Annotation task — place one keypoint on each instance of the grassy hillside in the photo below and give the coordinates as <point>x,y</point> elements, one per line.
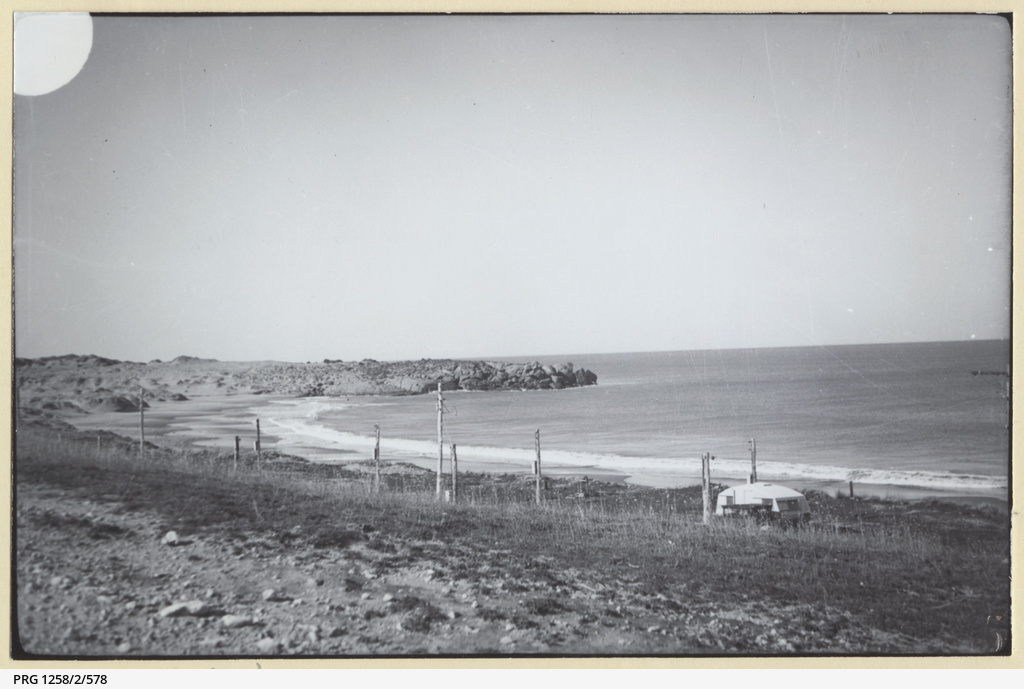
<point>619,562</point>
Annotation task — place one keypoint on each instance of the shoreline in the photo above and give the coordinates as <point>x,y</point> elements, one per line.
<point>213,421</point>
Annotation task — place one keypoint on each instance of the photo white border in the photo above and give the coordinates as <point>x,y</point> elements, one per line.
<point>1014,661</point>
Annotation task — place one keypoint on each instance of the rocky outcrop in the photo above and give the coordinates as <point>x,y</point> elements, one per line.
<point>336,378</point>
<point>480,375</point>
<point>114,403</point>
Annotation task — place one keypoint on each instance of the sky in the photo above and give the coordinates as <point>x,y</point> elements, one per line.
<point>400,187</point>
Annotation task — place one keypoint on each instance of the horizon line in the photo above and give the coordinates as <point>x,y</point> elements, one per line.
<point>506,357</point>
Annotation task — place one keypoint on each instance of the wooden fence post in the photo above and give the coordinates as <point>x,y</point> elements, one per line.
<point>258,448</point>
<point>455,475</point>
<point>537,467</point>
<point>376,458</point>
<point>238,442</point>
<point>705,473</point>
<point>440,441</point>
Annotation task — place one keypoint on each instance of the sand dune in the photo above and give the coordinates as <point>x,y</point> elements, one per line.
<point>81,384</point>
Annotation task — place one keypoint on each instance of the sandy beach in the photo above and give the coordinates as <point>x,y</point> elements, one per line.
<point>214,421</point>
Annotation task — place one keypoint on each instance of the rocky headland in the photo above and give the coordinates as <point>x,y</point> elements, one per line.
<point>74,383</point>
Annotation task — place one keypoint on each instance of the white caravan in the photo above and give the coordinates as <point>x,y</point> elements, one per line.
<point>763,499</point>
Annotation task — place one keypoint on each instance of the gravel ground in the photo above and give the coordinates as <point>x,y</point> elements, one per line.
<point>97,580</point>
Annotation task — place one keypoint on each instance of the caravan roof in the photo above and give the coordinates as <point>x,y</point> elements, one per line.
<point>756,491</point>
<point>749,497</point>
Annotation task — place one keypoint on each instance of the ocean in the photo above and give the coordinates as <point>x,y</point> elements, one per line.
<point>899,417</point>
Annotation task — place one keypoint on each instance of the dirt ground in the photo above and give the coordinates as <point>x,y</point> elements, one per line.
<point>98,580</point>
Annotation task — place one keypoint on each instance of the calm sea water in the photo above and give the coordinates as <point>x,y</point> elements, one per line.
<point>910,416</point>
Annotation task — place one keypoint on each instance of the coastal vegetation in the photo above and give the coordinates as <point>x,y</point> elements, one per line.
<point>75,383</point>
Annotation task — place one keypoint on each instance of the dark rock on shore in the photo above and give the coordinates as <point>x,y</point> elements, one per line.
<point>114,403</point>
<point>419,377</point>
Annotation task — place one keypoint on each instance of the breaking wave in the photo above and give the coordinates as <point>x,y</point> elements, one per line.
<point>683,470</point>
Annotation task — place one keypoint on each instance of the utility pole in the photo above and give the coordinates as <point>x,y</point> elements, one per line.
<point>455,475</point>
<point>142,423</point>
<point>376,458</point>
<point>537,465</point>
<point>705,479</point>
<point>753,460</point>
<point>440,439</point>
